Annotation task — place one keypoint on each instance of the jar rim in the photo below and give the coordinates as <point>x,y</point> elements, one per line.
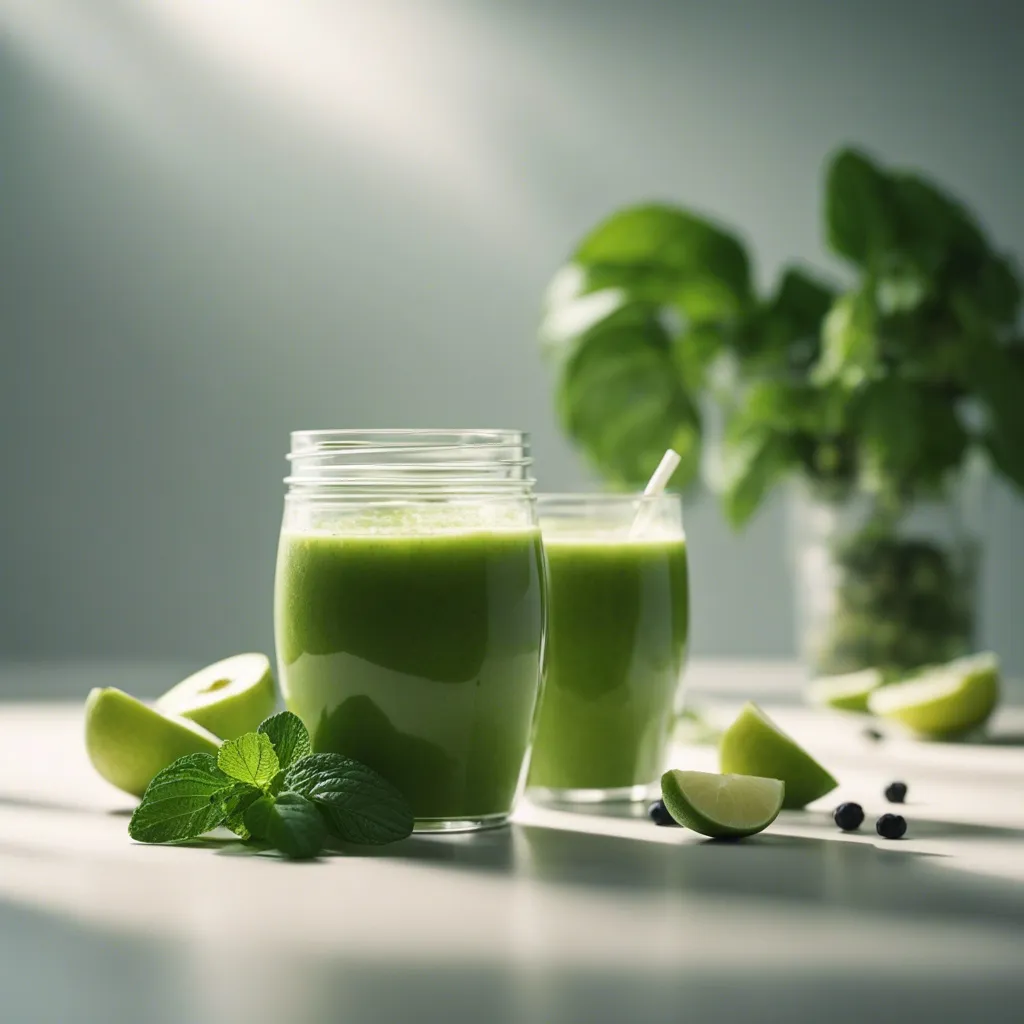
<point>403,462</point>
<point>417,466</point>
<point>458,485</point>
<point>391,437</point>
<point>607,498</point>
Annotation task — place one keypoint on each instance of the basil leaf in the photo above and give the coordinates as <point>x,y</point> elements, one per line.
<point>621,398</point>
<point>783,336</point>
<point>359,805</point>
<point>908,431</point>
<point>930,229</point>
<point>570,315</point>
<point>289,737</point>
<point>857,217</point>
<point>802,300</point>
<point>694,353</point>
<point>993,295</point>
<point>182,801</point>
<point>665,255</point>
<point>788,407</point>
<point>901,289</point>
<point>289,822</point>
<point>250,758</point>
<point>998,375</point>
<point>849,354</point>
<point>753,461</point>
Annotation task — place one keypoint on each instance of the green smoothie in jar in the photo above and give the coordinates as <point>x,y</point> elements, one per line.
<point>409,621</point>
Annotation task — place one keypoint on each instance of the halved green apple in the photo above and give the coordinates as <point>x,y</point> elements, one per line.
<point>229,697</point>
<point>128,742</point>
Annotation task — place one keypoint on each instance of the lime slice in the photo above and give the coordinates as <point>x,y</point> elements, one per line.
<point>722,806</point>
<point>943,702</point>
<point>755,745</point>
<point>229,698</point>
<point>128,742</point>
<point>847,692</point>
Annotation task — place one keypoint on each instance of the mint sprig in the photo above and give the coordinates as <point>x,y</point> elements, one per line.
<point>268,786</point>
<point>182,801</point>
<point>290,822</point>
<point>288,736</point>
<point>250,758</point>
<point>359,805</point>
<point>235,801</point>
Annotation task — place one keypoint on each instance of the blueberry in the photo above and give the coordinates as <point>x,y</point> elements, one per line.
<point>896,792</point>
<point>658,813</point>
<point>848,816</point>
<point>891,826</point>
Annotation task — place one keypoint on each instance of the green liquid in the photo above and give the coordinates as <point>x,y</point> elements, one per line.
<point>616,644</point>
<point>418,655</point>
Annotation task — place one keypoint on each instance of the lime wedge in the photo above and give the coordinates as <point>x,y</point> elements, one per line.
<point>755,745</point>
<point>229,697</point>
<point>722,806</point>
<point>943,702</point>
<point>129,742</point>
<point>847,692</point>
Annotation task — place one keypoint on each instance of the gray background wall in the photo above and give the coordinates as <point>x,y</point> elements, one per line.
<point>223,220</point>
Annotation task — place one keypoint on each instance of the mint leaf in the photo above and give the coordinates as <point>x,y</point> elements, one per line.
<point>289,737</point>
<point>289,822</point>
<point>250,758</point>
<point>182,802</point>
<point>257,816</point>
<point>359,805</point>
<point>236,801</point>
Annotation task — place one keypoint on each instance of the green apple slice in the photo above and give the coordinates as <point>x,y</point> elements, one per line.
<point>722,806</point>
<point>848,692</point>
<point>229,698</point>
<point>755,745</point>
<point>943,702</point>
<point>128,742</point>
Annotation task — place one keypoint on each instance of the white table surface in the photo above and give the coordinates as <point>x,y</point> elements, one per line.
<point>560,917</point>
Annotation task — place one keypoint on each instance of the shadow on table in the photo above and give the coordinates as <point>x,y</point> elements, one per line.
<point>1004,739</point>
<point>861,876</point>
<point>34,803</point>
<point>58,968</point>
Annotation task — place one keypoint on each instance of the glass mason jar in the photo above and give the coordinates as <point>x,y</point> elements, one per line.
<point>618,618</point>
<point>410,611</point>
<point>883,584</point>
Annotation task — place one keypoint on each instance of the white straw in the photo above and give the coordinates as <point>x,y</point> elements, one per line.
<point>655,486</point>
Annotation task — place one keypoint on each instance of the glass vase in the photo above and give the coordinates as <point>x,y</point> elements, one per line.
<point>883,583</point>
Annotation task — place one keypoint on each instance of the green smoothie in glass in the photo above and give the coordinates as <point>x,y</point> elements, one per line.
<point>618,607</point>
<point>409,619</point>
